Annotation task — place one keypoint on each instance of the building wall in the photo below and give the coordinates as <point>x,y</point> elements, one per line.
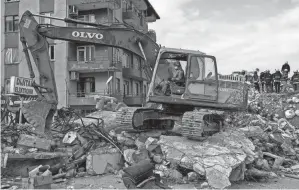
<point>2,43</point>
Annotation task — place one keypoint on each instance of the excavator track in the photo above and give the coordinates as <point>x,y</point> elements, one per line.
<point>133,118</point>
<point>193,126</point>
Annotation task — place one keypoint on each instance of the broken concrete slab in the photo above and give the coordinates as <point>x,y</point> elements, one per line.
<point>252,131</point>
<point>216,157</point>
<point>103,160</point>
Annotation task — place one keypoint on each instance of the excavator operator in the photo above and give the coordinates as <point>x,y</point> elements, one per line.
<point>178,75</point>
<point>178,79</point>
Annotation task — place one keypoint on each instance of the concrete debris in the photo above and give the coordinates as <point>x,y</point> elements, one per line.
<point>255,144</point>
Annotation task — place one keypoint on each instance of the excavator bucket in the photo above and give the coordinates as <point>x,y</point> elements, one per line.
<point>36,113</point>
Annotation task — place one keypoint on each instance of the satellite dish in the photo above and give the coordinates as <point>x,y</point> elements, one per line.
<point>110,78</point>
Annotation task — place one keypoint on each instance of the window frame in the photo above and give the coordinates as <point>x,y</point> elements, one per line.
<point>11,1</point>
<point>92,47</point>
<point>11,56</point>
<point>15,27</point>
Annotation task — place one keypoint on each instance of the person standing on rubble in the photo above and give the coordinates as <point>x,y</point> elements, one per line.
<point>276,80</point>
<point>268,80</point>
<point>284,79</point>
<point>295,80</point>
<point>286,66</point>
<point>256,81</point>
<point>262,80</point>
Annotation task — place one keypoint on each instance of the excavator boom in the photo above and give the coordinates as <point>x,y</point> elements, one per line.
<point>33,37</point>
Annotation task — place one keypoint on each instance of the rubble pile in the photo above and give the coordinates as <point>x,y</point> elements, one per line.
<point>258,144</point>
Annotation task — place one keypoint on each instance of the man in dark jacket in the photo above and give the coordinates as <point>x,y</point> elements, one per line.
<point>276,80</point>
<point>285,66</point>
<point>262,79</point>
<point>268,80</point>
<point>256,81</point>
<point>295,80</point>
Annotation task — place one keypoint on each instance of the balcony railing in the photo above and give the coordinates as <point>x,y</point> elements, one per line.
<point>97,65</point>
<point>95,4</point>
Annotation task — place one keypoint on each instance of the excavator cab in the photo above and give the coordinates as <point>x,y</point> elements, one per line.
<point>199,82</point>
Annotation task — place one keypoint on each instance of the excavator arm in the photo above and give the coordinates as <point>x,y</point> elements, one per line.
<point>33,37</point>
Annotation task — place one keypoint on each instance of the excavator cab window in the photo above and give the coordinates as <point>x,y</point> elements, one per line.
<point>202,82</point>
<point>170,78</point>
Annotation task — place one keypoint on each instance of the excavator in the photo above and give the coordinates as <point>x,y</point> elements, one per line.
<point>201,93</point>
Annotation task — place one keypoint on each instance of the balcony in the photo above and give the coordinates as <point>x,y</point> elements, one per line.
<point>133,74</point>
<point>134,100</point>
<point>100,65</point>
<point>95,4</point>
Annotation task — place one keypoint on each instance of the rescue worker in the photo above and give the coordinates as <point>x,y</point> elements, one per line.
<point>295,80</point>
<point>286,66</point>
<point>178,75</point>
<point>256,81</point>
<point>276,80</point>
<point>178,79</point>
<point>284,80</point>
<point>268,81</point>
<point>262,80</point>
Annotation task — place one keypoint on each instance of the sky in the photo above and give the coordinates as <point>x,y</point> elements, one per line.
<point>241,34</point>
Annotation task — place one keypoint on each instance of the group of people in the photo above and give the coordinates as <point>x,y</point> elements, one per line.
<point>277,81</point>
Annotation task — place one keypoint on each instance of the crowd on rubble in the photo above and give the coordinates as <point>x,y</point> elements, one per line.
<point>278,81</point>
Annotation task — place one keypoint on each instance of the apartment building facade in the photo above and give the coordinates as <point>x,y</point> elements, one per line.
<point>82,70</point>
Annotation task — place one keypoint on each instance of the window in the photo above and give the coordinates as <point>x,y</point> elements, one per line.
<point>125,61</point>
<point>85,86</point>
<point>43,20</point>
<point>85,53</point>
<point>11,55</point>
<point>137,88</point>
<point>11,23</point>
<point>86,18</point>
<point>118,85</point>
<point>126,87</point>
<point>51,52</point>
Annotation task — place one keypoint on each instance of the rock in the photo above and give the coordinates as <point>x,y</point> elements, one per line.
<point>157,159</point>
<point>192,176</point>
<point>140,142</point>
<point>238,173</point>
<point>199,168</point>
<point>289,114</point>
<point>216,157</point>
<point>103,160</point>
<point>295,168</point>
<point>175,175</point>
<point>140,155</point>
<point>295,100</point>
<point>128,155</point>
<point>153,134</point>
<point>252,131</point>
<point>297,112</point>
<point>288,149</point>
<point>204,185</point>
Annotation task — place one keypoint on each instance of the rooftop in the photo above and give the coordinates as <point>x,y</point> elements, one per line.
<point>151,9</point>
